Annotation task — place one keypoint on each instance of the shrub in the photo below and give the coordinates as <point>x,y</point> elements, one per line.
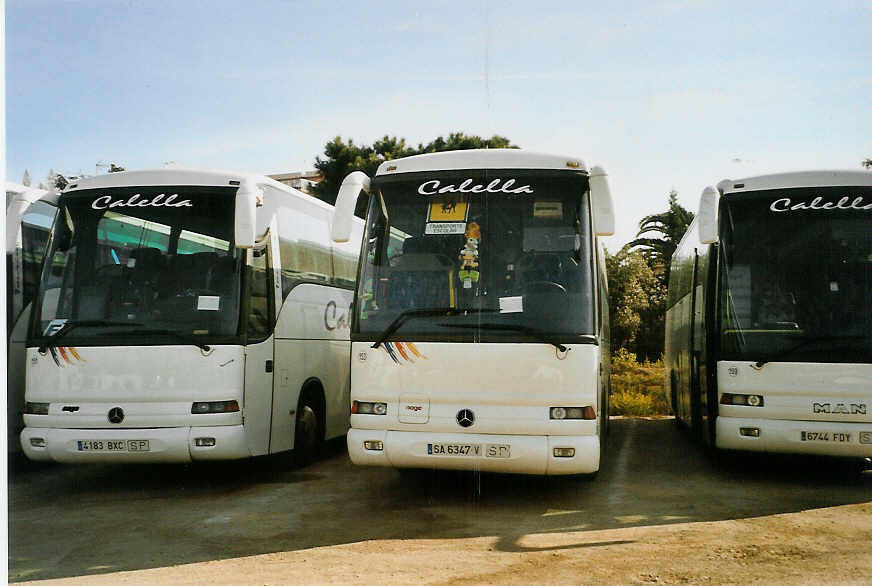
<point>637,387</point>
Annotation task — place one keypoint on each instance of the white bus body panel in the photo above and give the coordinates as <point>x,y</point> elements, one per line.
<point>509,388</point>
<point>154,385</point>
<point>808,408</point>
<point>312,342</point>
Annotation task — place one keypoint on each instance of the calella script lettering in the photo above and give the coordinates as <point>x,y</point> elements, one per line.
<point>160,200</point>
<point>785,204</point>
<point>435,187</point>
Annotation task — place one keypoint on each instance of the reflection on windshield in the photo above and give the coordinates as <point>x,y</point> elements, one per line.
<point>796,285</point>
<point>171,269</point>
<point>523,255</point>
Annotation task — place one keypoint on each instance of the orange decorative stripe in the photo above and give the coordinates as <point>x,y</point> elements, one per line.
<point>400,349</point>
<point>64,355</point>
<point>414,350</point>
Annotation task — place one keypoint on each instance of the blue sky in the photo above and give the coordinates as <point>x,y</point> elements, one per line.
<point>665,95</point>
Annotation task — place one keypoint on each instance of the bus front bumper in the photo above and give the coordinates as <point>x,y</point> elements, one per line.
<point>171,444</point>
<point>518,454</point>
<point>795,437</point>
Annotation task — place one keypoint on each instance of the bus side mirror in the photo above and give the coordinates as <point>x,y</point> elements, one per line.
<point>708,216</point>
<point>244,227</point>
<point>343,213</point>
<point>601,202</point>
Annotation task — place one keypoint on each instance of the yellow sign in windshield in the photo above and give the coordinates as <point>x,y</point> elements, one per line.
<point>448,210</point>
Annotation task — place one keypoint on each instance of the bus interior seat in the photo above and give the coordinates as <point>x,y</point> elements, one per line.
<point>144,274</point>
<point>148,266</point>
<point>421,276</point>
<point>219,276</point>
<point>191,270</point>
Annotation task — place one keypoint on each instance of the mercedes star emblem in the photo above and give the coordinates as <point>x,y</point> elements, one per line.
<point>116,415</point>
<point>465,417</point>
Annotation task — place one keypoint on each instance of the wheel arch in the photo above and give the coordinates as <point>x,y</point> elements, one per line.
<point>312,393</point>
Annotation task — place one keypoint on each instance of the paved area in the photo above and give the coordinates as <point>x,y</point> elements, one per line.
<point>91,520</point>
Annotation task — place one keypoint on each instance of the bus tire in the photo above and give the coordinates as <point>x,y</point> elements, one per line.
<point>306,435</point>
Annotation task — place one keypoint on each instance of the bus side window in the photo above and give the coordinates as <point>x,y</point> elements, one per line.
<point>258,292</point>
<point>304,247</point>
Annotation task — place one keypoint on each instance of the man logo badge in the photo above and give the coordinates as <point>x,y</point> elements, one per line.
<point>465,417</point>
<point>116,415</point>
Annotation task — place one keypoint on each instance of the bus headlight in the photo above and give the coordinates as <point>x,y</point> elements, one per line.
<point>369,408</point>
<point>573,412</point>
<point>36,408</point>
<point>738,399</point>
<point>214,407</point>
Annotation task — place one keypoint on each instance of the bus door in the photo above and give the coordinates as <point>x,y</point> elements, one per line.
<point>259,350</point>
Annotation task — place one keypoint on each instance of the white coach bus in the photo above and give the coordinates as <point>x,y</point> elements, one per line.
<point>480,326</point>
<point>769,326</point>
<point>188,315</point>
<point>30,213</point>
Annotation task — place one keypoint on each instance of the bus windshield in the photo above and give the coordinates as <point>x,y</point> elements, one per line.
<point>796,276</point>
<point>158,261</point>
<point>477,256</point>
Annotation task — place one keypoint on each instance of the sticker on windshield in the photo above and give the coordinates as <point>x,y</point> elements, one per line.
<point>511,304</point>
<point>160,200</point>
<point>208,302</point>
<point>448,209</point>
<point>53,326</point>
<point>445,228</point>
<point>785,204</point>
<point>548,209</point>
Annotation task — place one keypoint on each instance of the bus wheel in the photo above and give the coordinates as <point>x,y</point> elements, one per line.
<point>305,435</point>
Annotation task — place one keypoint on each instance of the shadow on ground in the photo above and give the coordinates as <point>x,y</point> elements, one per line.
<point>78,520</point>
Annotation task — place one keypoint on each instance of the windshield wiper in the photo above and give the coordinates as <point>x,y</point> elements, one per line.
<point>805,341</point>
<point>174,333</point>
<point>538,334</point>
<point>415,313</point>
<point>52,340</point>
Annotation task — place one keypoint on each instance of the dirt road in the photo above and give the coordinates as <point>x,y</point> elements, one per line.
<point>661,511</point>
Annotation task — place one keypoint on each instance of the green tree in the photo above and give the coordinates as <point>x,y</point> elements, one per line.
<point>671,226</point>
<point>636,300</point>
<point>458,141</point>
<point>341,158</point>
<point>867,163</point>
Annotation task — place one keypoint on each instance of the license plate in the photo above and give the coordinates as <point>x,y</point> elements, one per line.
<point>113,445</point>
<point>473,450</point>
<point>470,450</point>
<point>832,437</point>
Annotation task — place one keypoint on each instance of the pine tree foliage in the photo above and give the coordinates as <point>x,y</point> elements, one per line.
<point>341,157</point>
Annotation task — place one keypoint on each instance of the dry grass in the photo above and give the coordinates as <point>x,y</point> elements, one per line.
<point>637,387</point>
